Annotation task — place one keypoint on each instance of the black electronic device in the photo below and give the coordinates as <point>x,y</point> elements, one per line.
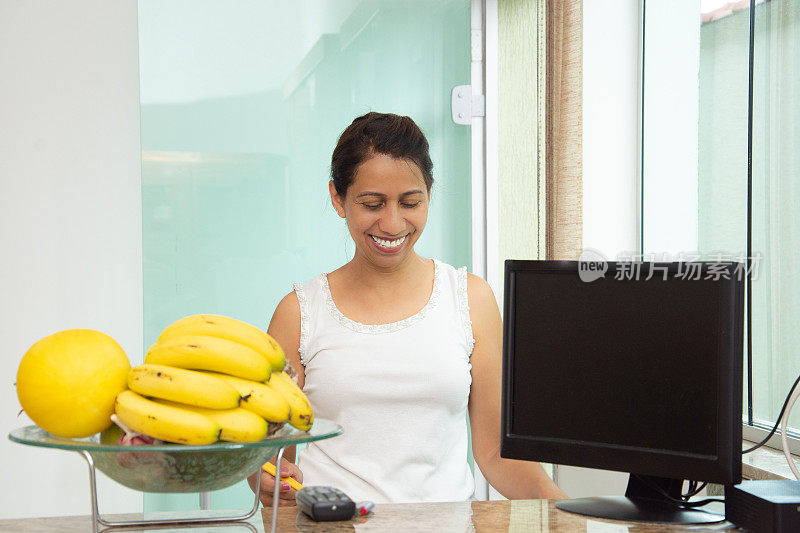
<point>325,504</point>
<point>635,367</point>
<point>764,505</point>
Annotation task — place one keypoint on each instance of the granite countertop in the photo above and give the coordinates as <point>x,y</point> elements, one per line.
<point>482,517</point>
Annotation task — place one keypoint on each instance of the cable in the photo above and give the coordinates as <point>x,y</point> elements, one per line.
<point>777,423</point>
<point>784,431</point>
<point>694,490</point>
<point>701,503</point>
<point>680,502</point>
<point>690,492</point>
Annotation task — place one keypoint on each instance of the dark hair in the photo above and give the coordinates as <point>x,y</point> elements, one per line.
<point>379,133</point>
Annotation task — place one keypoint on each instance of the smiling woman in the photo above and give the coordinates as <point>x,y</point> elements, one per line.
<point>384,198</point>
<point>395,347</point>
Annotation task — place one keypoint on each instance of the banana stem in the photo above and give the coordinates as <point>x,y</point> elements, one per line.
<point>129,433</point>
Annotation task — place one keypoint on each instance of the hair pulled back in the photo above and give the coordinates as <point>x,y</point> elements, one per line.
<point>379,133</point>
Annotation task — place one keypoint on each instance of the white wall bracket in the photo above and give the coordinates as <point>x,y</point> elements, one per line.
<point>465,105</point>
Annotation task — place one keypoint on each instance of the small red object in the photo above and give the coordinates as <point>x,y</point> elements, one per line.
<point>365,507</point>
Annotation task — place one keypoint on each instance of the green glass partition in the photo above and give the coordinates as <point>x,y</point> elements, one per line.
<point>241,107</point>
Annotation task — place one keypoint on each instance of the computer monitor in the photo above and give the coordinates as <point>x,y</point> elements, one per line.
<point>635,368</point>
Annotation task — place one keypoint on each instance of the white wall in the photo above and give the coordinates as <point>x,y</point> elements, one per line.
<point>70,205</point>
<point>670,138</point>
<point>610,125</point>
<point>610,165</point>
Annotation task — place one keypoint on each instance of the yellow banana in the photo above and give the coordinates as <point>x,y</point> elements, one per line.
<point>260,398</point>
<point>203,352</point>
<point>302,416</point>
<point>238,425</point>
<point>183,386</point>
<point>165,422</point>
<point>229,328</point>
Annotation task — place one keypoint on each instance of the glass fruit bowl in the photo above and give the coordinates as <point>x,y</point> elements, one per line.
<point>176,467</point>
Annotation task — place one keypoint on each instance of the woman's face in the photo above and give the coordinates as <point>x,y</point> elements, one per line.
<point>386,208</point>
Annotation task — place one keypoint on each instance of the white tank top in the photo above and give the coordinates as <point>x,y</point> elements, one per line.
<point>398,390</point>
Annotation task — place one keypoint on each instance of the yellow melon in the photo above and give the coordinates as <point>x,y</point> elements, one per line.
<point>68,381</point>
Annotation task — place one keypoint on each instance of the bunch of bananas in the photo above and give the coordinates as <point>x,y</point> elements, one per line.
<point>209,378</point>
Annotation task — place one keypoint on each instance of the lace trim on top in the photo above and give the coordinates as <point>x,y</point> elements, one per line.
<point>382,328</point>
<point>304,320</point>
<point>463,306</point>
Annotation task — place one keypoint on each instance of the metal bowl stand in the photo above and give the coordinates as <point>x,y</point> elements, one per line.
<point>98,520</point>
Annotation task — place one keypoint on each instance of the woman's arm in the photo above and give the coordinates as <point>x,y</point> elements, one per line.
<point>285,328</point>
<point>513,479</point>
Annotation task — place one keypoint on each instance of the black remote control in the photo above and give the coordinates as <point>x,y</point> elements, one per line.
<point>325,504</point>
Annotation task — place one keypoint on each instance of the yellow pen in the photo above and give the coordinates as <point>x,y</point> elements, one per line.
<point>270,469</point>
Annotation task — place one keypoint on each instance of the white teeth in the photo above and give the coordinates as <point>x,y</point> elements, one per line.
<point>389,244</point>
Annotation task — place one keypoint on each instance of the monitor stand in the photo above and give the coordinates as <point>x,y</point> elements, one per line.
<point>642,503</point>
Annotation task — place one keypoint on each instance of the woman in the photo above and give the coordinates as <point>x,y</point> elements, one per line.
<point>396,347</point>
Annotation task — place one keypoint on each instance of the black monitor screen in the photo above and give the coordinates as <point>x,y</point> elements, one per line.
<point>621,365</point>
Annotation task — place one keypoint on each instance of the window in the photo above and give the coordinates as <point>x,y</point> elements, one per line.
<point>703,123</point>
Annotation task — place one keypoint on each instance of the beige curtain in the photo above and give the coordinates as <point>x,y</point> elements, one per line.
<point>540,120</point>
<point>563,125</point>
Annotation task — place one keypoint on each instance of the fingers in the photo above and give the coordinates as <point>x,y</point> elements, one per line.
<point>286,496</point>
<point>292,470</point>
<point>266,500</point>
<point>286,490</point>
<point>287,493</point>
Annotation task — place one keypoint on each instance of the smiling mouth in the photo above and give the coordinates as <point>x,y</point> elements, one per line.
<point>384,243</point>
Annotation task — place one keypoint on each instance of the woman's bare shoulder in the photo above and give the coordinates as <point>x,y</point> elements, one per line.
<point>484,314</point>
<point>479,293</point>
<point>288,308</point>
<point>284,327</point>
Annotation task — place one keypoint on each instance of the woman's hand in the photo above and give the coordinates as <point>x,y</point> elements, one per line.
<point>287,493</point>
